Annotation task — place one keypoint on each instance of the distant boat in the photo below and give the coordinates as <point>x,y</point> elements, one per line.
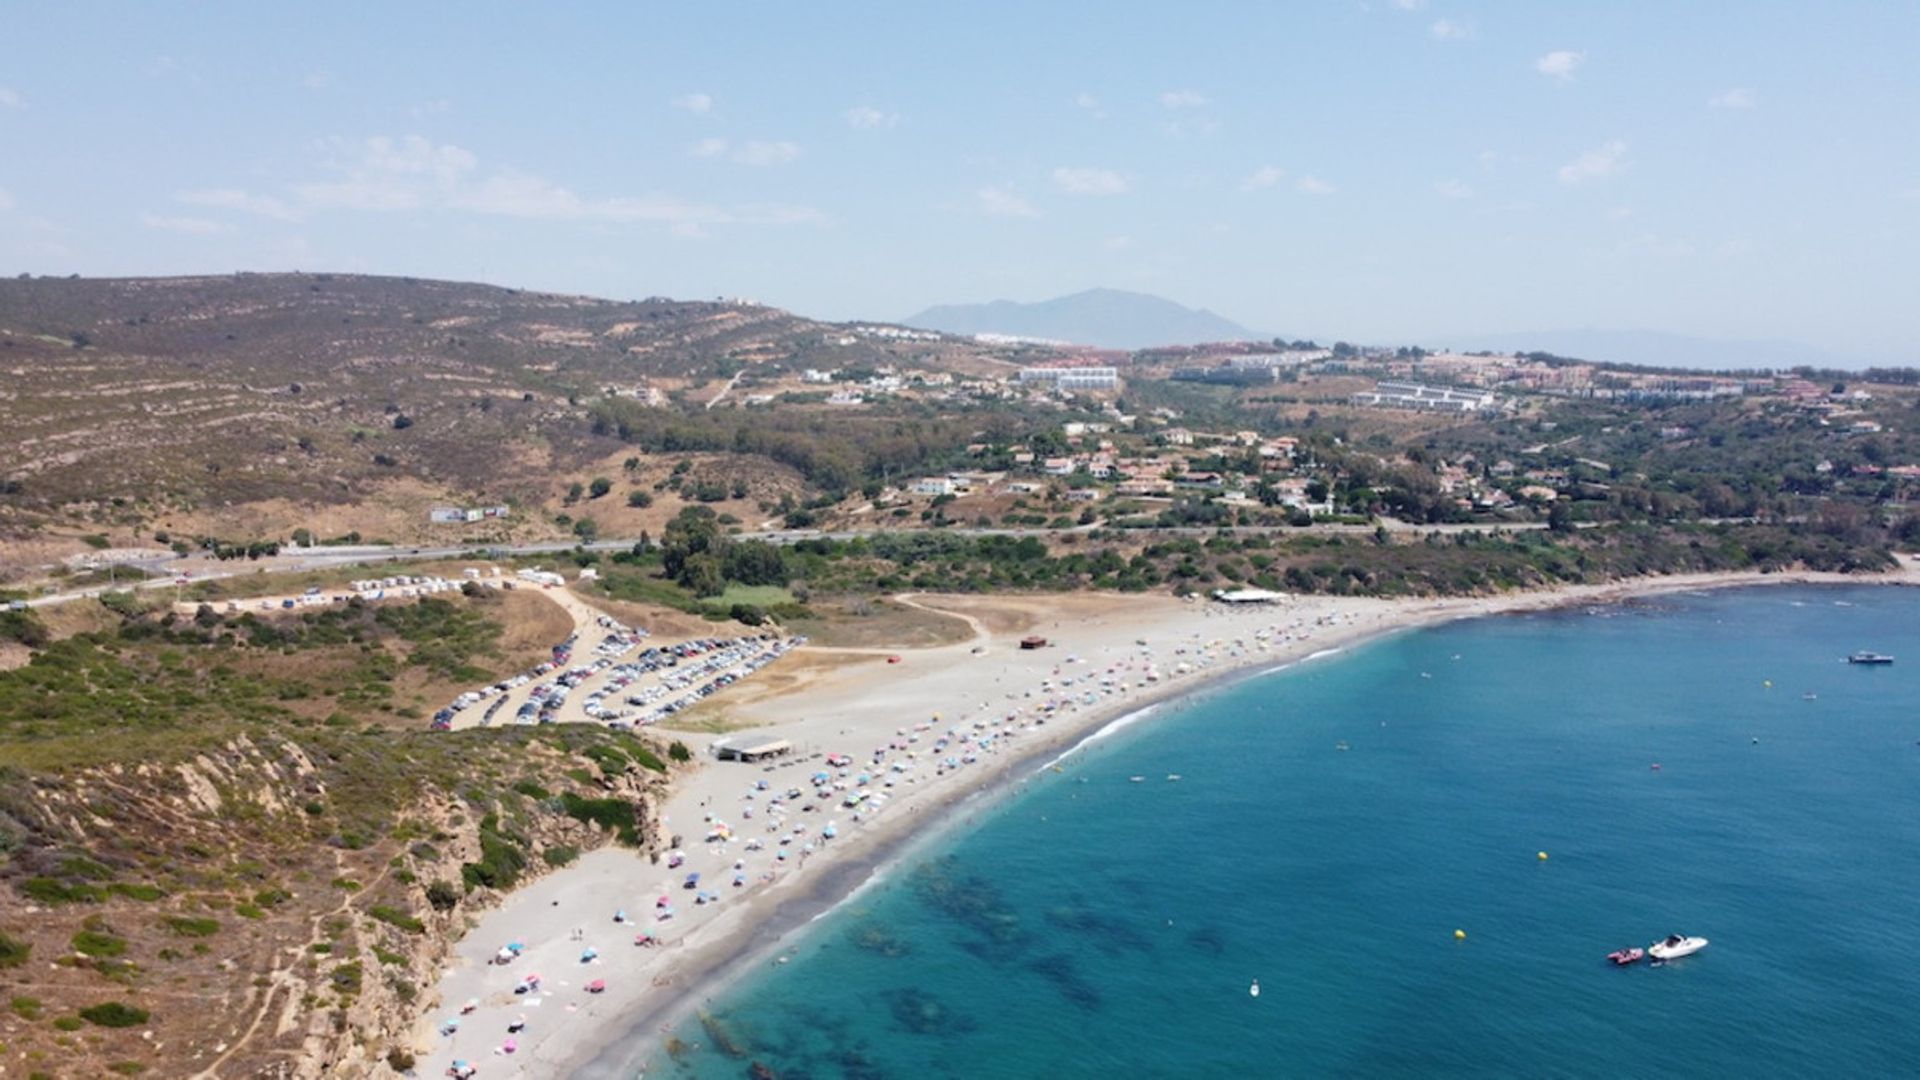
<point>1623,957</point>
<point>1676,946</point>
<point>1137,779</point>
<point>1254,990</point>
<point>1865,657</point>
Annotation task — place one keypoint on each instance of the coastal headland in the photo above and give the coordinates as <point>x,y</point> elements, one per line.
<point>887,748</point>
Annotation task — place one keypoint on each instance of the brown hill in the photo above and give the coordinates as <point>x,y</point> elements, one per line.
<point>126,403</point>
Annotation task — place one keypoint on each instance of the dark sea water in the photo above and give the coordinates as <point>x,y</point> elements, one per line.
<point>1093,927</point>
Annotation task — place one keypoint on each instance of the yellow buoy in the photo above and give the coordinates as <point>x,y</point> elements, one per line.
<point>1542,856</point>
<point>1459,935</point>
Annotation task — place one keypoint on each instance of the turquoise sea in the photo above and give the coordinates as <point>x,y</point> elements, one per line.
<point>1089,926</point>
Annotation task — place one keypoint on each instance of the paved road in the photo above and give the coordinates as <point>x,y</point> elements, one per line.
<point>297,559</point>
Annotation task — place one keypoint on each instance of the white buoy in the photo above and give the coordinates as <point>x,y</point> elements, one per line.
<point>1254,990</point>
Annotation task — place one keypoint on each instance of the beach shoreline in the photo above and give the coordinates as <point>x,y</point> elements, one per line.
<point>649,991</point>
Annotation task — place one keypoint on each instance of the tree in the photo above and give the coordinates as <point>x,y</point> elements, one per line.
<point>574,491</point>
<point>402,422</point>
<point>638,499</point>
<point>586,529</point>
<point>600,486</point>
<point>1560,517</point>
<point>701,575</point>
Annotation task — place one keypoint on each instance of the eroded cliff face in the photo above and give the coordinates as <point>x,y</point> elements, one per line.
<point>278,906</point>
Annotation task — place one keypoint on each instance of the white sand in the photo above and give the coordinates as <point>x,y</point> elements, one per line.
<point>998,691</point>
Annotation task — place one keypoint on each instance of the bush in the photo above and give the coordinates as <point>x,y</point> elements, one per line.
<point>560,855</point>
<point>678,751</point>
<point>639,500</point>
<point>395,917</point>
<point>54,891</point>
<point>13,953</point>
<point>187,926</point>
<point>443,895</point>
<point>113,1014</point>
<point>96,943</point>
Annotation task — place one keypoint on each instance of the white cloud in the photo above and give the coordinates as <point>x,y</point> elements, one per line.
<point>746,153</point>
<point>866,117</point>
<point>1003,202</point>
<point>1910,193</point>
<point>1117,243</point>
<point>1620,213</point>
<point>11,99</point>
<point>1263,177</point>
<point>1183,99</point>
<point>265,206</point>
<point>317,79</point>
<point>1313,185</point>
<point>433,107</point>
<point>1739,97</point>
<point>765,153</point>
<point>1090,104</point>
<point>697,104</point>
<point>190,225</point>
<point>1605,161</point>
<point>1409,5</point>
<point>1560,64</point>
<point>416,174</point>
<point>1451,30</point>
<point>6,200</point>
<point>1452,189</point>
<point>1082,181</point>
<point>384,173</point>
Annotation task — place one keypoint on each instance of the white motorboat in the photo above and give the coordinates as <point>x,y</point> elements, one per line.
<point>1676,946</point>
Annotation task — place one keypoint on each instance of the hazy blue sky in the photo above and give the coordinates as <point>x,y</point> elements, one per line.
<point>1384,171</point>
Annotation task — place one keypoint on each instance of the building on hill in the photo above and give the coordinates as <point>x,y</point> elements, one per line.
<point>1073,378</point>
<point>1405,395</point>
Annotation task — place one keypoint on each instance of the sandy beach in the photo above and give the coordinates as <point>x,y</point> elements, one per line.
<point>921,732</point>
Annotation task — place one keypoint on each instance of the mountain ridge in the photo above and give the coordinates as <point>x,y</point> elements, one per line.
<point>1107,318</point>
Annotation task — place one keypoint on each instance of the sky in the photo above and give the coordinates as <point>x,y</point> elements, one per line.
<point>1385,171</point>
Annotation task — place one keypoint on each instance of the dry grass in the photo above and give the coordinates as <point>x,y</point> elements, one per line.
<point>879,624</point>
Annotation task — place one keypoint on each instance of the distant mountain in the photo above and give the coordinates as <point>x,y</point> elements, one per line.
<point>1653,349</point>
<point>1108,318</point>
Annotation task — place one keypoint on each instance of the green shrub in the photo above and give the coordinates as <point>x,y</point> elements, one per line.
<point>133,891</point>
<point>97,943</point>
<point>27,1008</point>
<point>443,896</point>
<point>53,891</point>
<point>503,857</point>
<point>560,855</point>
<point>188,926</point>
<point>113,1014</point>
<point>395,917</point>
<point>616,814</point>
<point>678,751</point>
<point>248,911</point>
<point>13,953</point>
<point>69,1023</point>
<point>532,790</point>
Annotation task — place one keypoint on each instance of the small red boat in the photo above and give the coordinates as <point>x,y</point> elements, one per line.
<point>1623,957</point>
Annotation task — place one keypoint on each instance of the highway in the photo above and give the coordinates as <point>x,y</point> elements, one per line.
<point>198,568</point>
